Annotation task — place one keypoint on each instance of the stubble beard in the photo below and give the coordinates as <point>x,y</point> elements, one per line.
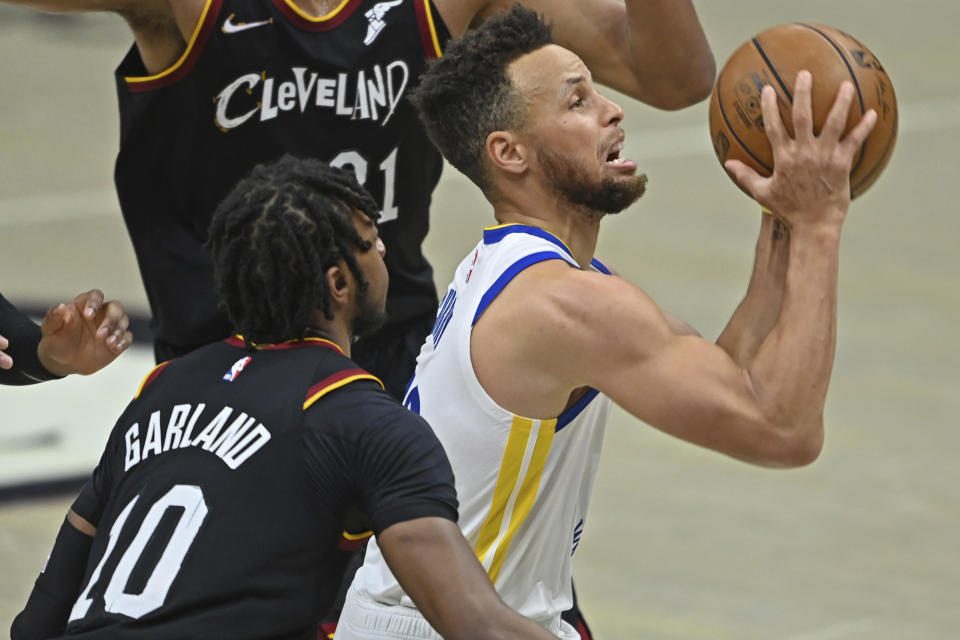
<point>575,185</point>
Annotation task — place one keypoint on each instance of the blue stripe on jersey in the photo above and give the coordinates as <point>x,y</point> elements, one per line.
<point>509,275</point>
<point>568,416</point>
<point>599,266</point>
<point>444,316</point>
<point>496,234</point>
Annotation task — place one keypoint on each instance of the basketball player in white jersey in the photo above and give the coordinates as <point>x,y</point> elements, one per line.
<point>535,338</point>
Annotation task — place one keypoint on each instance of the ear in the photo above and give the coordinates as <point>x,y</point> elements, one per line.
<point>507,152</point>
<point>339,285</point>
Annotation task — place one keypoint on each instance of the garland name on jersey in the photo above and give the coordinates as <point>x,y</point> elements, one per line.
<point>233,444</point>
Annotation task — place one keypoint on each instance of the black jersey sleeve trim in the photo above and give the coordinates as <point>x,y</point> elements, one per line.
<point>181,67</point>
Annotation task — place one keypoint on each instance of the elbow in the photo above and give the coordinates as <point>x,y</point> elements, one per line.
<point>797,445</point>
<point>682,90</point>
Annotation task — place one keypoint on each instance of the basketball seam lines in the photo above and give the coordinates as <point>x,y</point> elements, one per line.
<point>853,78</point>
<point>763,54</point>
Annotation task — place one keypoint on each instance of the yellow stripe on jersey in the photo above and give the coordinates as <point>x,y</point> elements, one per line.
<point>337,385</point>
<point>356,536</point>
<point>147,377</point>
<point>186,52</point>
<point>519,224</point>
<point>306,16</point>
<point>491,538</point>
<point>433,29</point>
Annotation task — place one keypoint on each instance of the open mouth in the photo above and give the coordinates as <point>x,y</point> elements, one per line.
<point>614,159</point>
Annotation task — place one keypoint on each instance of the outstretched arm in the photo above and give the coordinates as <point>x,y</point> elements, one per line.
<point>437,569</point>
<point>161,28</point>
<point>652,50</point>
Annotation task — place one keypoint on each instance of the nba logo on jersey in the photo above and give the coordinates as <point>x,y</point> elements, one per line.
<point>237,367</point>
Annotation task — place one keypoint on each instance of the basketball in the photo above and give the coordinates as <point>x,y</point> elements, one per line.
<point>774,57</point>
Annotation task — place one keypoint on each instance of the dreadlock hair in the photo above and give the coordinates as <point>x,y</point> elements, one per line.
<point>273,238</point>
<point>467,94</point>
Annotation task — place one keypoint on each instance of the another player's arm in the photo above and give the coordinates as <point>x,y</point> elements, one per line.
<point>439,571</point>
<point>652,50</point>
<point>55,591</point>
<point>161,28</point>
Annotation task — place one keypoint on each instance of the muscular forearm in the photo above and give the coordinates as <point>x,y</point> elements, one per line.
<point>791,371</point>
<point>757,314</point>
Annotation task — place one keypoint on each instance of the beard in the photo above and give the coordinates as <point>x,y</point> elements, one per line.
<point>370,317</point>
<point>575,185</point>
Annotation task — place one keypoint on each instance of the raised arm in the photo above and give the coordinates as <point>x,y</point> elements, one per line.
<point>759,396</point>
<point>438,570</point>
<point>652,50</point>
<point>161,28</point>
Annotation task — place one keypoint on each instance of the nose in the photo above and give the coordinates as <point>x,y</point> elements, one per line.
<point>613,113</point>
<point>381,248</point>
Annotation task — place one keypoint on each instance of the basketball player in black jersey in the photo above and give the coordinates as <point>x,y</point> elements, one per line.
<point>213,87</point>
<point>218,507</point>
<point>81,336</point>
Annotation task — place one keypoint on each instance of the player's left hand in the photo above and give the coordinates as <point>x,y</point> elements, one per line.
<point>83,336</point>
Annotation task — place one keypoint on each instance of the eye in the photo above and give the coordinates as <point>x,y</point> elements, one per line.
<point>577,103</point>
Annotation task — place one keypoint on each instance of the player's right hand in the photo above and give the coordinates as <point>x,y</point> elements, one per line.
<point>811,173</point>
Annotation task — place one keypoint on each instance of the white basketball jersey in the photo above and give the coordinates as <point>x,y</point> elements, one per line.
<point>523,484</point>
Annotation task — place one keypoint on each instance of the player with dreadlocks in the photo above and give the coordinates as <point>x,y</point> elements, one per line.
<point>219,506</point>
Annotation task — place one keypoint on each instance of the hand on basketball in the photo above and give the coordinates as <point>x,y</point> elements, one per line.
<point>84,335</point>
<point>811,173</point>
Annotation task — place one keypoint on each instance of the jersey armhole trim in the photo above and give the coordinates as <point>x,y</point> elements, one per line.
<point>428,30</point>
<point>337,380</point>
<point>509,274</point>
<point>353,541</point>
<point>180,68</point>
<point>150,377</point>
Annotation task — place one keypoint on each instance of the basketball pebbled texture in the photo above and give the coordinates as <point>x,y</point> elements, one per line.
<point>774,57</point>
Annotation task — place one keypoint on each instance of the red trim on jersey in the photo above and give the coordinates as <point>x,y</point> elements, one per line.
<point>324,23</point>
<point>237,341</point>
<point>428,34</point>
<point>327,630</point>
<point>338,379</point>
<point>354,542</point>
<point>152,376</point>
<point>183,66</point>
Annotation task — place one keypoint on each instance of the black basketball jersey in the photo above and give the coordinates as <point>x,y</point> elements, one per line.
<point>259,79</point>
<point>229,487</point>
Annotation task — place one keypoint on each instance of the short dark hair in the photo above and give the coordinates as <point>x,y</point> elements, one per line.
<point>467,94</point>
<point>273,238</point>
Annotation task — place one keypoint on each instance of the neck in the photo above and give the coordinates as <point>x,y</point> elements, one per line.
<point>335,332</point>
<point>576,226</point>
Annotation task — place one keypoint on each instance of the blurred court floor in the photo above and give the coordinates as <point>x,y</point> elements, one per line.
<point>681,543</point>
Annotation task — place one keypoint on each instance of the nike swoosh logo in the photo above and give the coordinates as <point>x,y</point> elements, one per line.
<point>229,26</point>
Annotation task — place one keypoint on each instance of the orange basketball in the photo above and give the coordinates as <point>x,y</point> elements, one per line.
<point>774,57</point>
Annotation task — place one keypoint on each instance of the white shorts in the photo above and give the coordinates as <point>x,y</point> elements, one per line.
<point>363,618</point>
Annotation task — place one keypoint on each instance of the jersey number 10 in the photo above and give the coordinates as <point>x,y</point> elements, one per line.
<point>116,600</point>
